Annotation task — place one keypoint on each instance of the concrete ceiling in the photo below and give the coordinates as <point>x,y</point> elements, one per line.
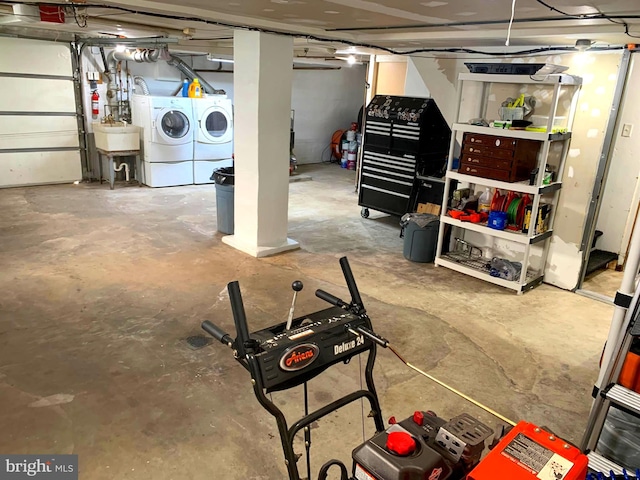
<point>400,25</point>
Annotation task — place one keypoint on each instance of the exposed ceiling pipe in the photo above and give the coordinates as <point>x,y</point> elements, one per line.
<point>191,74</point>
<point>139,56</point>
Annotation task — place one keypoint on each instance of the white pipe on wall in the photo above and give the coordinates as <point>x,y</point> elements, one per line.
<point>139,56</point>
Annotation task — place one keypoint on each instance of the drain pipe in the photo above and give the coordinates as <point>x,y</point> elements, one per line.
<point>119,168</point>
<point>139,56</point>
<point>191,74</point>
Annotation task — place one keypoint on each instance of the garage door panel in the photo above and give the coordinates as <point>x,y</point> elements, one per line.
<point>38,132</point>
<point>19,55</point>
<point>37,95</point>
<point>32,168</point>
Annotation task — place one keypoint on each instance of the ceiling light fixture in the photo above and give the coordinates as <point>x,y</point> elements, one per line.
<point>583,44</point>
<point>120,48</point>
<point>351,59</point>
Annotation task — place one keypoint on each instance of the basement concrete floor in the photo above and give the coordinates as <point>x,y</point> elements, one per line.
<point>100,289</point>
<point>605,282</point>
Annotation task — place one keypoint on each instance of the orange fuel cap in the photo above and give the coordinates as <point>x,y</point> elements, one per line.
<point>401,443</point>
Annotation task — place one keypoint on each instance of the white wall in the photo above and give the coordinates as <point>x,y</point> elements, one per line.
<point>164,79</point>
<point>622,192</point>
<point>324,100</point>
<point>599,72</point>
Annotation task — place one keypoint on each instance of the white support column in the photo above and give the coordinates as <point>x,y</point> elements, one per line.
<point>263,74</point>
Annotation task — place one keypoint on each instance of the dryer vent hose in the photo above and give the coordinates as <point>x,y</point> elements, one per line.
<point>139,81</point>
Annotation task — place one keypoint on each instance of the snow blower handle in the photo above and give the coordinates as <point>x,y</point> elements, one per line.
<point>356,300</point>
<point>217,333</point>
<point>374,337</point>
<point>332,299</point>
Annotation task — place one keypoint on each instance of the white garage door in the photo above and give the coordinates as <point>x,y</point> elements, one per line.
<point>39,141</point>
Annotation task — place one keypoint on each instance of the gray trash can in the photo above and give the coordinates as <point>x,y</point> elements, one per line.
<point>224,180</point>
<point>420,232</point>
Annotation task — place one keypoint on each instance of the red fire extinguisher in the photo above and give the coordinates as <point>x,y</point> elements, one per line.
<point>95,104</point>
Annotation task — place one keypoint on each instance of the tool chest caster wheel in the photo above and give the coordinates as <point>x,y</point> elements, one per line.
<point>364,212</point>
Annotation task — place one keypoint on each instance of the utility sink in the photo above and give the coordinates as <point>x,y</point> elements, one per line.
<point>116,137</point>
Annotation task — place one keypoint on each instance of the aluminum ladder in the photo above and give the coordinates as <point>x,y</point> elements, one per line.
<point>609,393</point>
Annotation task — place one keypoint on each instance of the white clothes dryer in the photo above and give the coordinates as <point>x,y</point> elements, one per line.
<point>213,142</point>
<point>168,133</point>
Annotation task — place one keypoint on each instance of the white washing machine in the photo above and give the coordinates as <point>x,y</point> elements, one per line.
<point>213,143</point>
<point>168,132</point>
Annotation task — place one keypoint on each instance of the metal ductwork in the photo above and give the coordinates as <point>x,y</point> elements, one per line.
<point>140,82</point>
<point>191,74</point>
<point>139,56</point>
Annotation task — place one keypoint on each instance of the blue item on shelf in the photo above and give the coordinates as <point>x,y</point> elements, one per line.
<point>185,88</point>
<point>497,220</point>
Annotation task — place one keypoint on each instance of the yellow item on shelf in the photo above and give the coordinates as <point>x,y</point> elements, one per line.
<point>195,89</point>
<point>544,129</point>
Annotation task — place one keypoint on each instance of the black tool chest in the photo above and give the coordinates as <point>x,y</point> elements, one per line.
<point>405,138</point>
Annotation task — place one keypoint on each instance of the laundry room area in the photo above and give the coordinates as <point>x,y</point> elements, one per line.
<point>185,139</point>
<point>268,239</point>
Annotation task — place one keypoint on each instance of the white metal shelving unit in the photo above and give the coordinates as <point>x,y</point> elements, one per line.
<point>552,87</point>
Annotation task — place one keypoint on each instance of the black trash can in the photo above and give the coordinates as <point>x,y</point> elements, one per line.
<point>224,180</point>
<point>420,232</point>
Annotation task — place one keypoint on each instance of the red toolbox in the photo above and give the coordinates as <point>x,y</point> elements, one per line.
<point>529,452</point>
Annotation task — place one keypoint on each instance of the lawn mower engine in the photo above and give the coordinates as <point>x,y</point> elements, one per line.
<point>422,447</point>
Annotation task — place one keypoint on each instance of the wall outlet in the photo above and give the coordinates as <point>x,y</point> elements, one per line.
<point>94,77</point>
<point>627,128</point>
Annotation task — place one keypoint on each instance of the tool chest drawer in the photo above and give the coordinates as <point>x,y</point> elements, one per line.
<point>494,174</point>
<point>489,162</point>
<point>385,200</point>
<point>387,182</point>
<point>405,165</point>
<point>498,158</point>
<point>472,148</point>
<point>490,141</point>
